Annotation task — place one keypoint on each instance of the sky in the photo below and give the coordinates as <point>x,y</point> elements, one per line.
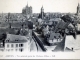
<point>16,6</point>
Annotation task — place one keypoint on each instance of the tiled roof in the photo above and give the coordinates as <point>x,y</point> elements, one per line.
<point>54,34</point>
<point>61,25</point>
<point>55,19</point>
<point>16,38</point>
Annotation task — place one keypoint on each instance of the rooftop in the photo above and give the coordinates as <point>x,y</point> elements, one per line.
<point>16,39</point>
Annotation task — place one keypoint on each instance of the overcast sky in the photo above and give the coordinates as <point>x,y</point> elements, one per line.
<point>15,6</point>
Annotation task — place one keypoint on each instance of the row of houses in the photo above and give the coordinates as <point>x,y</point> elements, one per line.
<point>17,38</point>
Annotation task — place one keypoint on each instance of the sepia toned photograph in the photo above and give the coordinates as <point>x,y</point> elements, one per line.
<point>39,26</point>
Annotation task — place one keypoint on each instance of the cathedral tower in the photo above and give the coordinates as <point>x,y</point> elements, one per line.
<point>42,12</point>
<point>78,9</point>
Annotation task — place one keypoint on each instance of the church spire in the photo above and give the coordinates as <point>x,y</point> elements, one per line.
<point>42,12</point>
<point>78,4</point>
<point>42,9</point>
<point>27,3</point>
<point>42,6</point>
<point>78,8</point>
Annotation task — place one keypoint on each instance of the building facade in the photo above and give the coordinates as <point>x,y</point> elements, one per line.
<point>17,43</point>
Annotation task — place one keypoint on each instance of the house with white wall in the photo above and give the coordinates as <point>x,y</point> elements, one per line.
<point>17,43</point>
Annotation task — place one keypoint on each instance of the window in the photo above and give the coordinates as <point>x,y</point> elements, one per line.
<point>16,39</point>
<point>7,40</point>
<point>21,50</point>
<point>11,45</point>
<point>20,45</point>
<point>7,49</point>
<point>8,45</point>
<point>16,49</point>
<point>16,45</point>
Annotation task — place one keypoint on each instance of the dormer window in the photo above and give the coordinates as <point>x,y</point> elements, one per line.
<point>16,39</point>
<point>7,40</point>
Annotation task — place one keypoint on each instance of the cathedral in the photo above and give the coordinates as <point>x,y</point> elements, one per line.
<point>27,10</point>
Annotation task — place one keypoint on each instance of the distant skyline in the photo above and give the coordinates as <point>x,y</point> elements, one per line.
<point>16,6</point>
